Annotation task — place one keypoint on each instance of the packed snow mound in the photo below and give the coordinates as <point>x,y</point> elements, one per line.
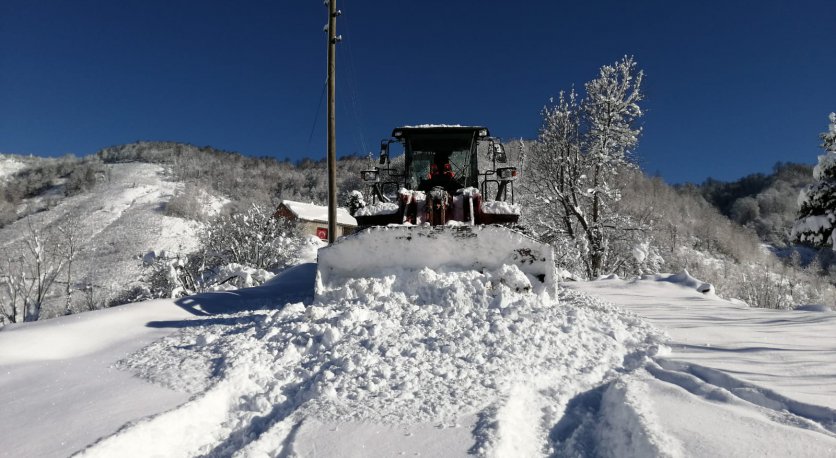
<point>393,350</point>
<point>685,279</point>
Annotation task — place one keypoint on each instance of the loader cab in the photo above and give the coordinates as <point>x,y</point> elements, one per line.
<point>452,157</point>
<point>440,155</point>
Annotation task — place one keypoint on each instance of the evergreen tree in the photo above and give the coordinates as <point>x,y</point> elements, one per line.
<point>817,202</point>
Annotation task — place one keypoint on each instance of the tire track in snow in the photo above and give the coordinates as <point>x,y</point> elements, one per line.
<point>613,419</point>
<point>714,385</point>
<point>234,412</point>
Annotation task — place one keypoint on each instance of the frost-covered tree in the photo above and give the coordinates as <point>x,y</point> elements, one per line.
<point>253,238</point>
<point>355,201</point>
<point>241,250</point>
<point>583,145</point>
<point>817,202</point>
<point>31,270</point>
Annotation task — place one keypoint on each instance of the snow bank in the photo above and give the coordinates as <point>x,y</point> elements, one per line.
<point>685,279</point>
<point>433,347</point>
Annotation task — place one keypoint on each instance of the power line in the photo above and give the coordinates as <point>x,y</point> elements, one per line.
<point>352,83</point>
<point>316,116</point>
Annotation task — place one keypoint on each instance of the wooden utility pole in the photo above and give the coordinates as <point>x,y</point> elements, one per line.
<point>332,131</point>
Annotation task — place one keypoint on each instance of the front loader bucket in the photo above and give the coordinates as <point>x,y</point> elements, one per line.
<point>379,251</point>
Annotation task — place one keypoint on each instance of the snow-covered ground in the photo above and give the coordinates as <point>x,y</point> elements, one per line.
<point>436,363</point>
<point>738,381</point>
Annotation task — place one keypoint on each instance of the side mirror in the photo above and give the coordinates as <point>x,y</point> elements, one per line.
<point>370,175</point>
<point>506,173</point>
<point>384,152</point>
<point>499,152</point>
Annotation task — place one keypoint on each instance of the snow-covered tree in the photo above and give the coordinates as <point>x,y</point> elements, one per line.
<point>582,146</point>
<point>817,203</point>
<point>253,238</point>
<point>239,249</point>
<point>355,201</point>
<point>31,269</point>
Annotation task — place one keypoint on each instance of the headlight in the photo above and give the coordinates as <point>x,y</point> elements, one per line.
<point>369,175</point>
<point>507,173</point>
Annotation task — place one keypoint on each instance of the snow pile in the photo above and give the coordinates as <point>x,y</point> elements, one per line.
<point>380,208</point>
<point>685,279</point>
<point>380,251</point>
<point>233,276</point>
<point>398,350</point>
<point>498,207</point>
<point>309,248</point>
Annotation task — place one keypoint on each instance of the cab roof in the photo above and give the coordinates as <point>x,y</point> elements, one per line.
<point>405,131</point>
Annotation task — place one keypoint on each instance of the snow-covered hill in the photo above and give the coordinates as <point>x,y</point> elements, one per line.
<point>117,222</point>
<point>436,364</point>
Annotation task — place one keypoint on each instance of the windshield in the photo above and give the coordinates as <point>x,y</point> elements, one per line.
<point>440,150</point>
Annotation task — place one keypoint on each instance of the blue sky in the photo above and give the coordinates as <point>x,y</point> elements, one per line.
<point>731,87</point>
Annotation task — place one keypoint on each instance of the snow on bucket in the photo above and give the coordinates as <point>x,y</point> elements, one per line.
<point>380,251</point>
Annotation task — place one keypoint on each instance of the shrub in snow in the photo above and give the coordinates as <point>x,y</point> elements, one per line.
<point>186,203</point>
<point>135,293</point>
<point>166,277</point>
<point>355,201</point>
<point>236,251</point>
<point>817,202</point>
<point>253,238</point>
